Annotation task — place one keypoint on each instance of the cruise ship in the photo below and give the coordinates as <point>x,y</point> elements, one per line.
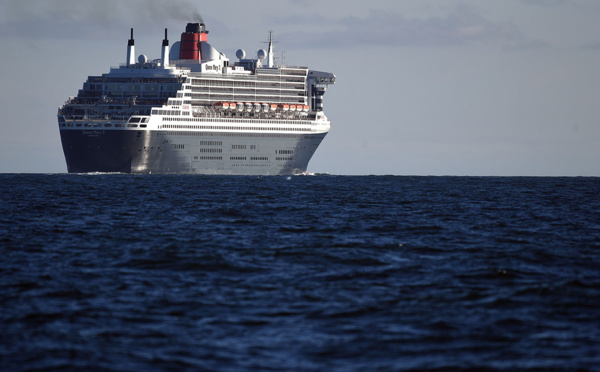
<point>194,112</point>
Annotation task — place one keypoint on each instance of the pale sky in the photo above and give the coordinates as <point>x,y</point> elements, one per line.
<point>424,87</point>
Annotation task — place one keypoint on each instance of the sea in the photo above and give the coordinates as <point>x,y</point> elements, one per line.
<point>115,272</point>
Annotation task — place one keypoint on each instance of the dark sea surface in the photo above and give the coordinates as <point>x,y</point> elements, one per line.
<point>314,273</point>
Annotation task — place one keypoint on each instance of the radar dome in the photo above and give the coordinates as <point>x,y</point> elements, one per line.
<point>142,59</point>
<point>240,54</point>
<point>261,54</point>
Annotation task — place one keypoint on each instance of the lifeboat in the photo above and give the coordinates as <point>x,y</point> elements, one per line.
<point>292,107</point>
<point>222,105</point>
<point>249,107</point>
<point>265,107</point>
<point>232,106</point>
<point>285,107</point>
<point>305,108</point>
<point>240,106</point>
<point>257,107</point>
<point>273,107</point>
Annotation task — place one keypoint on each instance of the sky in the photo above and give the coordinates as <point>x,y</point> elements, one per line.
<point>424,87</point>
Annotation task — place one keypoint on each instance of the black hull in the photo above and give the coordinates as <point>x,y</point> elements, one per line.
<point>89,151</point>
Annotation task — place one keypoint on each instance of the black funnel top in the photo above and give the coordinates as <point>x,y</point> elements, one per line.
<point>193,28</point>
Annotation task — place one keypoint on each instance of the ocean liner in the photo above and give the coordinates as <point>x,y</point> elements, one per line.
<point>191,111</point>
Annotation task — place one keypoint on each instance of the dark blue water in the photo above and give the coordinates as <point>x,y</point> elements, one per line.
<point>323,273</point>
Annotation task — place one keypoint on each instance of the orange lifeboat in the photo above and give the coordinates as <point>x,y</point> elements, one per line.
<point>305,108</point>
<point>285,107</point>
<point>273,107</point>
<point>292,107</point>
<point>222,105</point>
<point>232,106</point>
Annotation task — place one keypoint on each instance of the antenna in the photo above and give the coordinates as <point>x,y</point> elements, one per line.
<point>270,54</point>
<point>271,39</point>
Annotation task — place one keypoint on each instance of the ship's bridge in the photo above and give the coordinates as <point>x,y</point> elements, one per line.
<point>318,81</point>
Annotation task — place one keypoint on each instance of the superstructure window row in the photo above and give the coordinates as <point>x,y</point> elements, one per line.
<point>166,112</point>
<point>253,96</point>
<point>246,121</point>
<point>208,158</point>
<point>251,82</point>
<point>259,90</point>
<point>237,135</point>
<point>212,127</point>
<point>211,150</point>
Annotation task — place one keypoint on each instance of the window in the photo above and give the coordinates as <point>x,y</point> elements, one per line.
<point>210,157</point>
<point>211,150</point>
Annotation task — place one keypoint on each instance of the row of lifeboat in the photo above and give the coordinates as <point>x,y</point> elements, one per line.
<point>258,107</point>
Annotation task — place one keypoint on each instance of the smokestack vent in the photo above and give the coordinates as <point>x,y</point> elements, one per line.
<point>166,40</point>
<point>193,28</point>
<point>131,51</point>
<point>131,42</point>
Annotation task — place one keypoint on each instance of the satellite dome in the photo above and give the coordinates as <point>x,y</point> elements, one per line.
<point>261,54</point>
<point>240,54</point>
<point>142,59</point>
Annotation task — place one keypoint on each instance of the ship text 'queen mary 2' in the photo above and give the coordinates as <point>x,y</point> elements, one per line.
<point>192,111</point>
